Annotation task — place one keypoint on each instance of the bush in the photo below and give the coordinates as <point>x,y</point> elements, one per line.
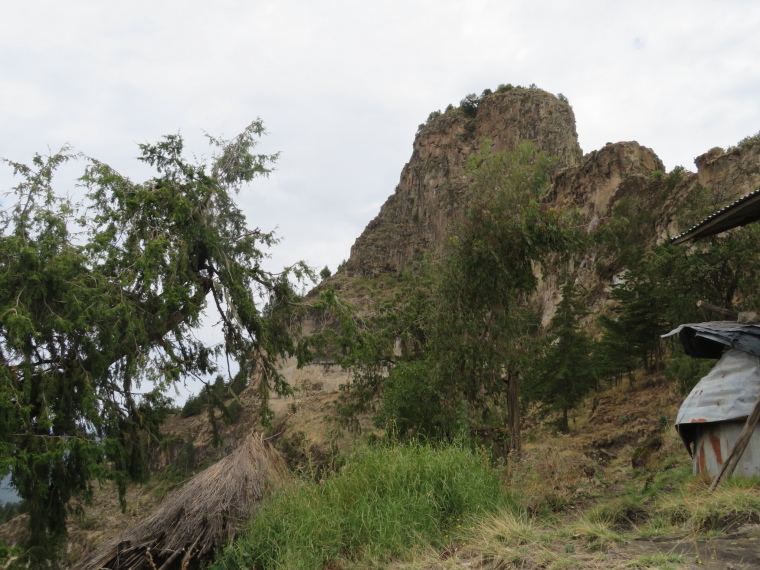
<point>685,371</point>
<point>193,406</point>
<point>469,105</point>
<point>674,177</point>
<point>745,141</point>
<point>385,503</point>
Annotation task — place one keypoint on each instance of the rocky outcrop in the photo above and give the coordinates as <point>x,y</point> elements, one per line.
<point>603,177</point>
<point>431,190</point>
<point>732,173</point>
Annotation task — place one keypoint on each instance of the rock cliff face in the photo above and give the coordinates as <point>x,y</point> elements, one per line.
<point>734,172</point>
<point>429,195</point>
<point>431,191</point>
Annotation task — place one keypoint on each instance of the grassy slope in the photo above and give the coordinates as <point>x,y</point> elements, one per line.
<point>577,501</point>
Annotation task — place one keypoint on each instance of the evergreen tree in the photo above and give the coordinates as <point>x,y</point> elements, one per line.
<point>567,370</point>
<point>469,338</point>
<point>100,296</point>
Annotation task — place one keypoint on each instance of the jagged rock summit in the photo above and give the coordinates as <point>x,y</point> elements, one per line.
<point>432,187</point>
<point>430,195</point>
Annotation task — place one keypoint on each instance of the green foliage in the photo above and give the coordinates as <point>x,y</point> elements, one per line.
<point>685,371</point>
<point>469,105</point>
<point>11,510</point>
<point>193,406</point>
<point>632,336</point>
<point>384,504</point>
<point>504,88</point>
<point>661,286</point>
<point>466,337</point>
<point>626,235</point>
<point>567,370</point>
<point>412,404</point>
<point>186,457</point>
<point>562,98</point>
<point>99,296</point>
<point>748,140</point>
<point>674,177</point>
<point>325,273</point>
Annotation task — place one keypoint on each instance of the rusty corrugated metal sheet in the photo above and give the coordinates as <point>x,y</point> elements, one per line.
<point>708,340</point>
<point>713,444</point>
<point>728,392</point>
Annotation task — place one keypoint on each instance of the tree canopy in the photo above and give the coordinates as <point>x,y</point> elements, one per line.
<point>101,297</point>
<point>466,333</point>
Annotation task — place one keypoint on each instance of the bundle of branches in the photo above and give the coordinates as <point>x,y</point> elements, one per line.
<point>199,517</point>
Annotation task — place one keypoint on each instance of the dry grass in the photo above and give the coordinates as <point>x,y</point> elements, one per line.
<point>552,476</point>
<point>696,510</point>
<point>199,517</point>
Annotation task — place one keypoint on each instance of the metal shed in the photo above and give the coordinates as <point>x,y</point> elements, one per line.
<point>713,415</point>
<point>719,420</point>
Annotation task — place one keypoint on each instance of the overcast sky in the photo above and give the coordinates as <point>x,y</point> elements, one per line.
<point>342,85</point>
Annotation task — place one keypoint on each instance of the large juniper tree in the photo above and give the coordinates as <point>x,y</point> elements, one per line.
<point>101,295</point>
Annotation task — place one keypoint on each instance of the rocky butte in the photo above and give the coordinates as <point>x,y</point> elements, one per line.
<point>430,195</point>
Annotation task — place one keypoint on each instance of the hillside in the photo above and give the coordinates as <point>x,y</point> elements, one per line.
<point>430,197</point>
<point>609,429</point>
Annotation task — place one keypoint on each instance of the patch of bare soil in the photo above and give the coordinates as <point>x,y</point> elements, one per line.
<point>738,550</point>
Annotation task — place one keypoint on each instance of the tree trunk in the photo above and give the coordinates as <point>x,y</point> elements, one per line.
<point>513,411</point>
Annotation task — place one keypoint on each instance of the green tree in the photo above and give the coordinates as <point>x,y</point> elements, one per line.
<point>566,372</point>
<point>100,296</point>
<point>484,341</point>
<point>466,337</point>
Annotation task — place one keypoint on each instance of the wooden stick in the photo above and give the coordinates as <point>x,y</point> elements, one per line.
<point>741,444</point>
<point>716,309</point>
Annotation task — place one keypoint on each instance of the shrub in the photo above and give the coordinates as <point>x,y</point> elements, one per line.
<point>685,371</point>
<point>745,141</point>
<point>469,105</point>
<point>674,177</point>
<point>193,406</point>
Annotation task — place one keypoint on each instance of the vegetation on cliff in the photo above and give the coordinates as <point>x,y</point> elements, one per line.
<point>526,291</point>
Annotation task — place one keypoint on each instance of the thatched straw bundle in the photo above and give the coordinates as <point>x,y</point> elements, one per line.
<point>199,517</point>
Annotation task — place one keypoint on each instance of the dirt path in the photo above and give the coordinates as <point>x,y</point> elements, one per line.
<point>738,550</point>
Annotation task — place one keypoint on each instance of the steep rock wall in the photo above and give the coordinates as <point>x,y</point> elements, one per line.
<point>431,189</point>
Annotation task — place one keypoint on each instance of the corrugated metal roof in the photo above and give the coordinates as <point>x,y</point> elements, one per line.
<point>728,392</point>
<point>740,213</point>
<point>707,340</point>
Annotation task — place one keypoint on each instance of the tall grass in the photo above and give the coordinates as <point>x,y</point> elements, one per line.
<point>386,503</point>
